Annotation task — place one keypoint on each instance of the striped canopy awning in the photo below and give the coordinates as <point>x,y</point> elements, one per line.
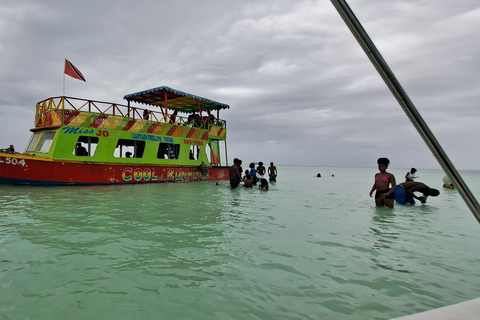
<point>174,99</point>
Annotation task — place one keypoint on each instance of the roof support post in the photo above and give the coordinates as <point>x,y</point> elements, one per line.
<point>199,110</point>
<point>165,99</point>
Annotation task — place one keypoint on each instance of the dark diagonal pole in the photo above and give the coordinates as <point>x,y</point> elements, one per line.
<point>407,105</point>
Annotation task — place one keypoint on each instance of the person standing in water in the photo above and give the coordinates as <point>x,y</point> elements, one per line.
<point>384,184</point>
<point>235,176</point>
<point>253,173</point>
<point>260,170</point>
<point>410,175</point>
<point>272,172</point>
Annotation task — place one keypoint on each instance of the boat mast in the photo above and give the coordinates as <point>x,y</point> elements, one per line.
<point>407,105</point>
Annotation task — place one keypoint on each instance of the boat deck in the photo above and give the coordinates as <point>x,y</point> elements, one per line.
<point>75,112</point>
<point>468,310</point>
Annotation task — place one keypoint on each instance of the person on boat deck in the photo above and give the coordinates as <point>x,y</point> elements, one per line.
<point>253,172</point>
<point>128,154</point>
<point>405,192</point>
<point>410,175</point>
<point>235,175</point>
<point>260,170</point>
<point>272,172</point>
<point>146,113</point>
<point>194,119</point>
<point>247,180</point>
<point>81,151</point>
<point>171,153</point>
<point>384,184</point>
<point>173,117</point>
<point>211,117</point>
<point>263,184</point>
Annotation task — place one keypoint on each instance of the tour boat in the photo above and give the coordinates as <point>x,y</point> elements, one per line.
<point>78,141</point>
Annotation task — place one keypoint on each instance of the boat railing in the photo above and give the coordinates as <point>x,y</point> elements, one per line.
<point>54,112</point>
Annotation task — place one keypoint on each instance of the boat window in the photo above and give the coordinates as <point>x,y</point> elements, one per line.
<point>194,152</point>
<point>45,142</point>
<point>85,146</point>
<point>129,149</point>
<point>33,141</point>
<point>168,151</point>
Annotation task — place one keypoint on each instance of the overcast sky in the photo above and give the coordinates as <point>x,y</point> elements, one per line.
<point>301,90</point>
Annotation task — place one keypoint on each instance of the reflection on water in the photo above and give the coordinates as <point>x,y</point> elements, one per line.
<point>386,234</point>
<point>381,228</point>
<point>126,228</point>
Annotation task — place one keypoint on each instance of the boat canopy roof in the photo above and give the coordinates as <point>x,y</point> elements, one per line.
<point>174,99</point>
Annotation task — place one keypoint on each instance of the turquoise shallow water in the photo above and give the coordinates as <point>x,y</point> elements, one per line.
<point>309,248</point>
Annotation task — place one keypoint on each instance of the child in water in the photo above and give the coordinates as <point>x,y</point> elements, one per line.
<point>253,173</point>
<point>247,180</point>
<point>263,184</point>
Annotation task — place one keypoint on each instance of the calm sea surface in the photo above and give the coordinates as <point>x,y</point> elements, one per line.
<point>309,248</point>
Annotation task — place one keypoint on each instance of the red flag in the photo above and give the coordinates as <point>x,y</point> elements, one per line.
<point>73,72</point>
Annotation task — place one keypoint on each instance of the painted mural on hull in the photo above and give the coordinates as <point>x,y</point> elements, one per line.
<point>17,170</point>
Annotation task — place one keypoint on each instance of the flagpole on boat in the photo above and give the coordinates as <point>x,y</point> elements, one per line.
<point>64,73</point>
<point>407,105</point>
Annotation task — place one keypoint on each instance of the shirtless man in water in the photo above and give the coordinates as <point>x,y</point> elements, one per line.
<point>272,172</point>
<point>261,170</point>
<point>235,176</point>
<point>413,186</point>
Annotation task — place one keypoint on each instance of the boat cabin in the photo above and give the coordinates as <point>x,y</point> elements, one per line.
<point>160,126</point>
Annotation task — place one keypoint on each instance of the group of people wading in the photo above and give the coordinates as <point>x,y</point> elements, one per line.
<point>252,175</point>
<point>388,191</point>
